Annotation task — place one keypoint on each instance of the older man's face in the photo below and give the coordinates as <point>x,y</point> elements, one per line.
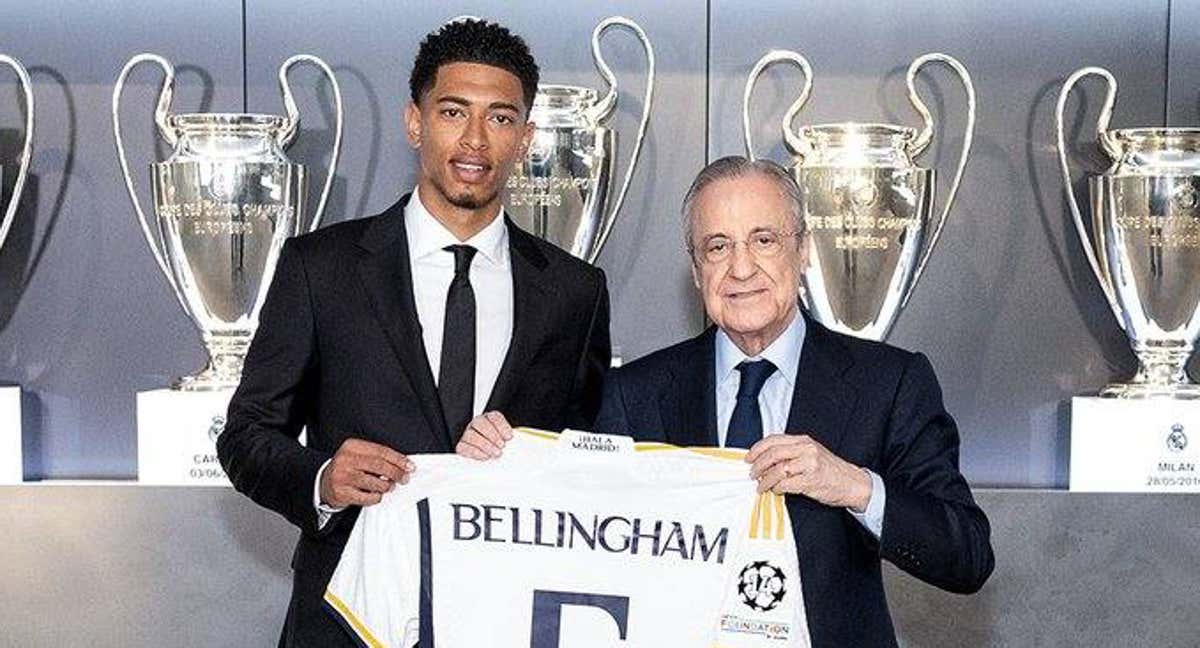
<point>748,292</point>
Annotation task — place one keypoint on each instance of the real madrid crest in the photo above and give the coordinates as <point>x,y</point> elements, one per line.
<point>1177,440</point>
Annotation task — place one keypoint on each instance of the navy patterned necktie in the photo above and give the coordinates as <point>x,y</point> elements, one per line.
<point>456,375</point>
<point>746,425</point>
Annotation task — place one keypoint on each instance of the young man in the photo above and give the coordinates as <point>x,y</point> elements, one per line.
<point>390,335</point>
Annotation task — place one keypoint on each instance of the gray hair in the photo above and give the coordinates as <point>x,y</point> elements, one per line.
<point>736,166</point>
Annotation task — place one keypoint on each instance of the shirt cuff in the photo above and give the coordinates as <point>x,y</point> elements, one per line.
<point>324,512</point>
<point>872,517</point>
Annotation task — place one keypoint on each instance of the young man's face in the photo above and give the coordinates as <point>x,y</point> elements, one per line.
<point>470,129</point>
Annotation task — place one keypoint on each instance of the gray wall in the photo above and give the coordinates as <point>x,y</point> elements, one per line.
<point>113,566</point>
<point>1008,311</point>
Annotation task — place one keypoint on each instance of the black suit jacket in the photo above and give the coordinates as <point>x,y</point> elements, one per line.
<point>873,405</point>
<point>339,351</point>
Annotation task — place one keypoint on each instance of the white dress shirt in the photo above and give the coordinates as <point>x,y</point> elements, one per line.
<point>432,271</point>
<point>775,399</point>
<point>491,281</point>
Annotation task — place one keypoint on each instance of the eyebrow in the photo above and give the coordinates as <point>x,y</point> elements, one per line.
<point>495,105</point>
<point>756,230</point>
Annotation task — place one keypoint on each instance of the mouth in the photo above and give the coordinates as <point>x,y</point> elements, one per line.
<point>470,170</point>
<point>742,295</point>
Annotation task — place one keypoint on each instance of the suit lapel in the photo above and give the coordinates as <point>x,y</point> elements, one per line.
<point>386,275</point>
<point>822,401</point>
<point>691,398</point>
<point>532,300</point>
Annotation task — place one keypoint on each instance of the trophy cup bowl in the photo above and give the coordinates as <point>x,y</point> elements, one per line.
<point>868,208</point>
<point>225,200</point>
<point>561,190</point>
<point>1144,243</point>
<point>866,215</point>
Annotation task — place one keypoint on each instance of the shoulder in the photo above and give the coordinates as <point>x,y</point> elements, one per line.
<point>565,269</point>
<point>871,362</point>
<point>339,237</point>
<point>660,366</point>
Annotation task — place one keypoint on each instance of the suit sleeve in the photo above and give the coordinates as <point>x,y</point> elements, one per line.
<point>593,363</point>
<point>259,448</point>
<point>932,527</point>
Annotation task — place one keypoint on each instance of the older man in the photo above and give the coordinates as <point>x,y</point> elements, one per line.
<point>852,432</point>
<point>868,456</point>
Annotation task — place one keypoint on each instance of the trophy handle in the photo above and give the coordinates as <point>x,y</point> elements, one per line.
<point>926,135</point>
<point>154,240</point>
<point>1089,249</point>
<point>292,123</point>
<point>798,145</point>
<point>26,151</point>
<point>606,105</point>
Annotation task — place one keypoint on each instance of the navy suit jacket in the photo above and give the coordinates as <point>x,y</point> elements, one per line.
<point>875,406</point>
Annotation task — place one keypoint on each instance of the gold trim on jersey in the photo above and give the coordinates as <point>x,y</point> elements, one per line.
<point>541,434</point>
<point>768,518</point>
<point>358,626</point>
<point>734,454</point>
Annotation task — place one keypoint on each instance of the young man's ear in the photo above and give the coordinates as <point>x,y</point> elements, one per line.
<point>412,124</point>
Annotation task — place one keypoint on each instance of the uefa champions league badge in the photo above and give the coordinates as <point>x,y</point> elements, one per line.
<point>761,588</point>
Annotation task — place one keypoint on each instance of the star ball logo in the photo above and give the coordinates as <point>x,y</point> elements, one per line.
<point>1177,440</point>
<point>762,586</point>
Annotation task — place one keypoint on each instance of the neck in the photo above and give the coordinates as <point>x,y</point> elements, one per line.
<point>754,343</point>
<point>463,222</point>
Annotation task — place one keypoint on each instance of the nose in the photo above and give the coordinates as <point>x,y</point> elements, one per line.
<point>742,263</point>
<point>474,136</point>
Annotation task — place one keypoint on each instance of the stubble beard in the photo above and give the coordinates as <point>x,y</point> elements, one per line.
<point>465,199</point>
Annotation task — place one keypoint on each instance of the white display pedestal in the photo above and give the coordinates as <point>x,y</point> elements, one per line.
<point>11,465</point>
<point>1135,446</point>
<point>177,435</point>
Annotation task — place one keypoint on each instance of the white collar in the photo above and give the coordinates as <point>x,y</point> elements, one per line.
<point>427,235</point>
<point>783,351</point>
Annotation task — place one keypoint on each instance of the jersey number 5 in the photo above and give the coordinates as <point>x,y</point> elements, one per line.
<point>547,613</point>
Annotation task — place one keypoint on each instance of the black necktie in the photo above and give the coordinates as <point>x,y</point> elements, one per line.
<point>746,426</point>
<point>456,375</point>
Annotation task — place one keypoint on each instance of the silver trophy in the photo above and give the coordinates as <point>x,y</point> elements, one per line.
<point>867,205</point>
<point>560,192</point>
<point>14,201</point>
<point>1144,246</point>
<point>226,198</point>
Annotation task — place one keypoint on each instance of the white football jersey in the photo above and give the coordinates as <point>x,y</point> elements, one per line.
<point>574,541</point>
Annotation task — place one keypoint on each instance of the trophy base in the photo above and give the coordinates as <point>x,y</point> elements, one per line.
<point>11,464</point>
<point>206,381</point>
<point>177,435</point>
<point>223,372</point>
<point>1135,446</point>
<point>1138,391</point>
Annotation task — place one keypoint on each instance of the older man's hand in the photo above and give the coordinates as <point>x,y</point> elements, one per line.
<point>785,463</point>
<point>484,437</point>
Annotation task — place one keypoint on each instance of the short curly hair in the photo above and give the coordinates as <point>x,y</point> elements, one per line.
<point>470,40</point>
